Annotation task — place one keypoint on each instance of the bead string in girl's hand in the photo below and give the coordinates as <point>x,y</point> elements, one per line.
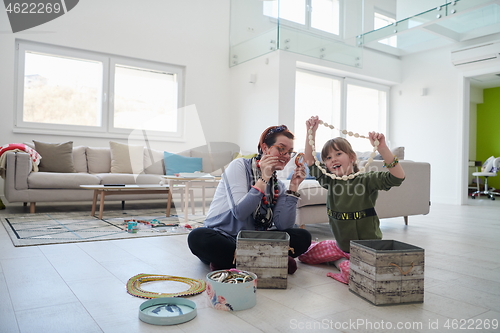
<point>313,124</point>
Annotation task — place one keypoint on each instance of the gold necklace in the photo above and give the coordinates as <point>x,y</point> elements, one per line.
<point>134,285</point>
<point>356,135</point>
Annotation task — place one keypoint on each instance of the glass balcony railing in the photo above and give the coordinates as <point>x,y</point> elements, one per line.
<point>449,23</point>
<point>333,30</point>
<point>314,28</point>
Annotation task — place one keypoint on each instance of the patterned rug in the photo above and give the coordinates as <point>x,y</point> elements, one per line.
<point>57,228</point>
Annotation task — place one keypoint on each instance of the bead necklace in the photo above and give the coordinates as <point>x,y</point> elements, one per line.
<point>356,135</point>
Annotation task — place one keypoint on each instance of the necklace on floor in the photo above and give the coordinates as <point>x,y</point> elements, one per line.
<point>134,286</point>
<point>356,135</point>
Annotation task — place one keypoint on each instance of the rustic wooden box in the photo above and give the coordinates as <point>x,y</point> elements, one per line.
<point>264,253</point>
<point>387,271</point>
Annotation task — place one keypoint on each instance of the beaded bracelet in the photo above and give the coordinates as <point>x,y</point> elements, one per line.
<point>293,193</point>
<point>392,164</point>
<point>265,181</point>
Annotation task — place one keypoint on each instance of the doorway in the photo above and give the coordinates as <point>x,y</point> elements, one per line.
<point>474,86</point>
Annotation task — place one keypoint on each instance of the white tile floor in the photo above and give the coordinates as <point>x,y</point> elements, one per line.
<point>81,287</point>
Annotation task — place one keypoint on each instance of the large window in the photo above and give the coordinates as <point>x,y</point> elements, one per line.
<point>316,15</point>
<point>379,21</point>
<point>354,105</point>
<point>63,89</point>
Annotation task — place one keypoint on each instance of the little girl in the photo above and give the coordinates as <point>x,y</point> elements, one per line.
<point>350,203</point>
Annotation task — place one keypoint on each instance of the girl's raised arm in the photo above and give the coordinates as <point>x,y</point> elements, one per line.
<point>311,123</point>
<point>391,161</point>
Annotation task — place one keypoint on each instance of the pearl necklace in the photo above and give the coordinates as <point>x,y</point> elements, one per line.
<point>356,135</point>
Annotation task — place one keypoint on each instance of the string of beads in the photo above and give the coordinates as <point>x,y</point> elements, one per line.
<point>356,135</point>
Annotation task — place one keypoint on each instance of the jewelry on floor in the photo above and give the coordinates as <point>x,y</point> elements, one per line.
<point>356,135</point>
<point>134,286</point>
<point>231,276</point>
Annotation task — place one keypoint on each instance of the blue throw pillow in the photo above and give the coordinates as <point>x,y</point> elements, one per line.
<point>176,163</point>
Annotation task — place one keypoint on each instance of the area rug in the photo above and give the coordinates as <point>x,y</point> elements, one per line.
<point>58,228</point>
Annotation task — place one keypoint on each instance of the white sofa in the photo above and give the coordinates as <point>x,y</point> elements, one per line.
<point>93,167</point>
<point>411,198</point>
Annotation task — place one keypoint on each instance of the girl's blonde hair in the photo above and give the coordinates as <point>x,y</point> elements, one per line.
<point>340,144</point>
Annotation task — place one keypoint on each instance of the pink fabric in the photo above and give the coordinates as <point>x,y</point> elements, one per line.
<point>325,251</point>
<point>343,276</point>
<point>321,252</point>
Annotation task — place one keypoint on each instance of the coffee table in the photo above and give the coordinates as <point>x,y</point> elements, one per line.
<point>105,190</point>
<point>192,182</point>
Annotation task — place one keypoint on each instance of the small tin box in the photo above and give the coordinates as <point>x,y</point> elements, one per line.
<point>227,295</point>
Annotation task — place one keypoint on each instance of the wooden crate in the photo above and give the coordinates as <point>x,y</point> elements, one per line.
<point>387,271</point>
<point>264,253</point>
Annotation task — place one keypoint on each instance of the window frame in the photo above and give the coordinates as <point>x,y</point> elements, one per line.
<point>390,41</point>
<point>307,27</point>
<point>370,85</point>
<point>344,82</point>
<point>106,129</point>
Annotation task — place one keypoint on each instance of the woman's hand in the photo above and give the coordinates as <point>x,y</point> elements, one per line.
<point>298,177</point>
<point>268,165</point>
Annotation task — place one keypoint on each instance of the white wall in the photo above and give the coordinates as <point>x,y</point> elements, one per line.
<point>255,105</point>
<point>435,127</point>
<point>193,33</point>
<point>429,126</point>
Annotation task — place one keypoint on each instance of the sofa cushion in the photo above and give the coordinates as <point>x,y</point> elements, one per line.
<point>98,159</point>
<point>126,158</point>
<point>213,161</point>
<point>80,159</point>
<point>154,162</point>
<point>56,157</point>
<point>52,180</point>
<point>176,163</point>
<point>247,156</point>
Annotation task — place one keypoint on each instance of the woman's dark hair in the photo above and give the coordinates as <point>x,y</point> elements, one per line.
<point>269,136</point>
<point>339,144</point>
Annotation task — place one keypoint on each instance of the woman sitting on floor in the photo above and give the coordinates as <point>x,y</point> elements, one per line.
<point>250,197</point>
